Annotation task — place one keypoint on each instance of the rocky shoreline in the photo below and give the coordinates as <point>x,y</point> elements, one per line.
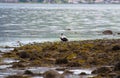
<point>102,54</point>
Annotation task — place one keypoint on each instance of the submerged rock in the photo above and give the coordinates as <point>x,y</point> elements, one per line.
<point>107,32</point>
<point>118,33</point>
<point>52,74</point>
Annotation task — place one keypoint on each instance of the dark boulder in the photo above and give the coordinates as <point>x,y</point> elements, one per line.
<point>116,47</point>
<point>28,72</point>
<point>52,74</point>
<point>83,73</point>
<point>107,32</point>
<point>24,54</point>
<point>102,70</point>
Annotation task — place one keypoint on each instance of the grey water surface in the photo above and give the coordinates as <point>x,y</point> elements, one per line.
<point>44,22</point>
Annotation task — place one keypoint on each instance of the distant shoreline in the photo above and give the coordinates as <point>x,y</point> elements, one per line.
<point>54,3</point>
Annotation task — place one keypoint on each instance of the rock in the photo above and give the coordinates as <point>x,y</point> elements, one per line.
<point>118,33</point>
<point>52,74</point>
<point>7,47</point>
<point>61,68</point>
<point>107,32</point>
<point>68,29</point>
<point>102,70</point>
<point>28,72</point>
<point>83,73</point>
<point>23,55</point>
<point>117,66</point>
<point>67,72</point>
<point>116,47</point>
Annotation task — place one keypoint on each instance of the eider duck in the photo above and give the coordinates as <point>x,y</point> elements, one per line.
<point>63,37</point>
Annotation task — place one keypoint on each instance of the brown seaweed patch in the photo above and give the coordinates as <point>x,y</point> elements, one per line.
<point>72,53</point>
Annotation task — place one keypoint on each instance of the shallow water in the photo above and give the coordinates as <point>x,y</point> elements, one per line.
<point>3,49</point>
<point>42,22</point>
<point>10,71</point>
<point>6,71</point>
<point>9,60</point>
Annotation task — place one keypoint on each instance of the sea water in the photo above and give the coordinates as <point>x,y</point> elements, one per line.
<point>44,22</point>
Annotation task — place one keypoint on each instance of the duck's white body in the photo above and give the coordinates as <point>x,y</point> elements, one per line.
<point>63,38</point>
